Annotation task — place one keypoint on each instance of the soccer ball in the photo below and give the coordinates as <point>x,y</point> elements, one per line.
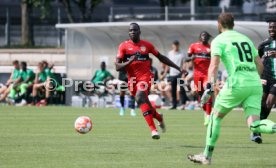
<point>83,124</point>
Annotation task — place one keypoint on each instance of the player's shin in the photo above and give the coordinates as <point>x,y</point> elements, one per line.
<point>263,126</point>
<point>264,112</point>
<point>146,110</point>
<point>213,132</point>
<point>156,115</point>
<point>12,93</point>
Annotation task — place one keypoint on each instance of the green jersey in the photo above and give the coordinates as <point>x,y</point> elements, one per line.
<point>237,53</point>
<point>42,76</point>
<point>101,75</point>
<point>27,74</point>
<point>48,72</point>
<point>15,74</point>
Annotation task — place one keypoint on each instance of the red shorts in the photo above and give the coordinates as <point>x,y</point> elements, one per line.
<point>200,82</point>
<point>142,85</point>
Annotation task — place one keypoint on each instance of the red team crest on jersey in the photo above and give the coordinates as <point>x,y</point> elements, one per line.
<point>143,48</point>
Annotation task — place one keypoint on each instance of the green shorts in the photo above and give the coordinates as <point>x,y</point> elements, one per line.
<point>249,97</point>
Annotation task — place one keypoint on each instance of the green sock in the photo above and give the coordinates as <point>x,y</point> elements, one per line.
<point>12,93</point>
<point>213,132</point>
<point>263,126</point>
<point>23,88</point>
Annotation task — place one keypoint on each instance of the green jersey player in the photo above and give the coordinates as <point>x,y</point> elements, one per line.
<point>243,86</point>
<point>21,85</point>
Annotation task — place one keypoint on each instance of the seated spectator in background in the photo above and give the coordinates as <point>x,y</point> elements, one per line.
<point>102,76</point>
<point>25,81</point>
<point>54,83</point>
<point>5,89</point>
<point>165,85</point>
<point>47,67</point>
<point>41,82</point>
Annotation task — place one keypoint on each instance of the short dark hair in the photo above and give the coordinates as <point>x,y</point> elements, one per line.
<point>226,20</point>
<point>15,62</point>
<point>205,32</point>
<point>176,42</point>
<point>45,63</point>
<point>40,64</point>
<point>23,63</point>
<point>135,24</point>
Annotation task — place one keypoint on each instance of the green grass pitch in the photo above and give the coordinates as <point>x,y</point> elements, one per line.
<point>45,138</point>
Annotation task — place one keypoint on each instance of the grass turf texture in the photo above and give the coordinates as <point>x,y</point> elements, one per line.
<point>45,138</point>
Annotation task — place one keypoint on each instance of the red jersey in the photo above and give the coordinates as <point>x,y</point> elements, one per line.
<point>202,58</point>
<point>139,68</point>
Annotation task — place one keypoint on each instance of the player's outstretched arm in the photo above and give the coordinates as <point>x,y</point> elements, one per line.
<point>168,62</point>
<point>120,65</point>
<point>213,69</point>
<point>259,65</point>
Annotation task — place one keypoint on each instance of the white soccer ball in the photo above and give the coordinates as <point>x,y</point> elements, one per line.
<point>83,124</point>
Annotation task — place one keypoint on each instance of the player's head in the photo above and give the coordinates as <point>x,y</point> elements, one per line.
<point>23,65</point>
<point>225,22</point>
<point>204,37</point>
<point>175,45</point>
<point>45,63</point>
<point>103,66</point>
<point>15,63</point>
<point>134,32</point>
<point>40,67</point>
<point>272,27</point>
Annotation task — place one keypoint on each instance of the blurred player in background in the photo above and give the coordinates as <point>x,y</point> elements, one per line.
<point>133,57</point>
<point>102,76</point>
<point>42,80</point>
<point>267,51</point>
<point>123,86</point>
<point>5,89</point>
<point>200,51</point>
<point>243,86</point>
<point>21,85</point>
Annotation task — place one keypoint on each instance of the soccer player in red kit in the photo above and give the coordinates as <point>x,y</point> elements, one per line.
<point>201,58</point>
<point>133,57</point>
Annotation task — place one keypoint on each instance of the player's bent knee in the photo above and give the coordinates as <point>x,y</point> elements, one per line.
<point>139,98</point>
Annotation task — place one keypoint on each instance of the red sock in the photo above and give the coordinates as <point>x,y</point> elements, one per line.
<point>156,115</point>
<point>145,108</point>
<point>208,107</point>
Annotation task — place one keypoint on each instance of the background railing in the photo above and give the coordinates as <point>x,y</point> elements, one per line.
<point>45,34</point>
